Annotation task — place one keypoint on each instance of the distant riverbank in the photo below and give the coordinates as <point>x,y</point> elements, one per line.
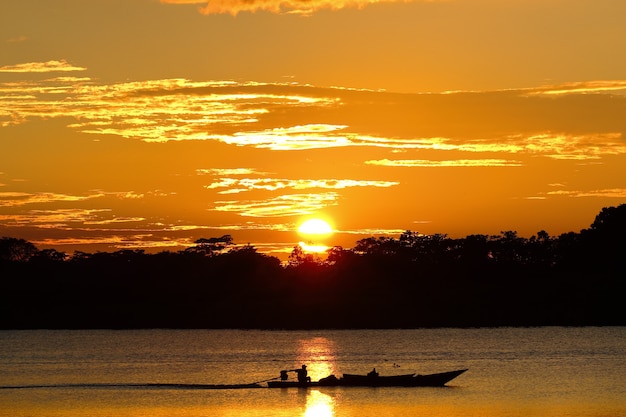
<point>416,281</point>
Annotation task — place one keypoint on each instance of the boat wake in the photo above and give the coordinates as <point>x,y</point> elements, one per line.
<point>155,386</point>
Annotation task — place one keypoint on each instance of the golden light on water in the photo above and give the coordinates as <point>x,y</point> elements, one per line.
<point>318,354</point>
<point>319,405</point>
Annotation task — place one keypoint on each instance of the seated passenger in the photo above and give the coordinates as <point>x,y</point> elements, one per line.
<point>302,375</point>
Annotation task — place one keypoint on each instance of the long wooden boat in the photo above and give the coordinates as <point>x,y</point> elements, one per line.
<point>353,380</point>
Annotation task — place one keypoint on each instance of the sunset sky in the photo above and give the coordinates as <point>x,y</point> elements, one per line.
<point>147,124</point>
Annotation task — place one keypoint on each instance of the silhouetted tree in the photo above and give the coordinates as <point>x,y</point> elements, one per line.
<point>337,255</point>
<point>18,250</point>
<point>508,247</point>
<point>542,249</point>
<point>473,249</point>
<point>50,255</point>
<point>381,246</point>
<point>211,246</point>
<point>415,281</point>
<point>299,256</point>
<point>608,231</point>
<point>611,221</point>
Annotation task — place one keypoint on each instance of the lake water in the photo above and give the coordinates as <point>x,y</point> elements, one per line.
<point>513,372</point>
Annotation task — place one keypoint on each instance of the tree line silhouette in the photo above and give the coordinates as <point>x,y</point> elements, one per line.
<point>575,279</point>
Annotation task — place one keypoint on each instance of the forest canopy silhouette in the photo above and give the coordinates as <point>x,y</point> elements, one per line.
<point>575,279</point>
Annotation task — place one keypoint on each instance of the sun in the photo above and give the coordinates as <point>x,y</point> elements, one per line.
<point>312,248</point>
<point>315,231</point>
<point>316,227</point>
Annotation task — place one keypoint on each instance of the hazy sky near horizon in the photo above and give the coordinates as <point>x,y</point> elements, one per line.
<point>146,124</point>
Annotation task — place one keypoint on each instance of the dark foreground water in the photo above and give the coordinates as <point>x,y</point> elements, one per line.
<point>513,372</point>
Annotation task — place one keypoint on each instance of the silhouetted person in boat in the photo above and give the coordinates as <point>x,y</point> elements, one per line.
<point>302,375</point>
<point>284,376</point>
<point>373,373</point>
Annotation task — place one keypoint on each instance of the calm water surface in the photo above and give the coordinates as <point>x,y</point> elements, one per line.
<point>565,372</point>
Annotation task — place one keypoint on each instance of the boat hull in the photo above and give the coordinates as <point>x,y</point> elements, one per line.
<point>352,380</point>
<point>292,384</point>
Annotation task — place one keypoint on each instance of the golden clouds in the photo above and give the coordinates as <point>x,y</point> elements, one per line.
<point>48,219</point>
<point>283,205</point>
<point>588,87</point>
<point>13,199</point>
<point>560,146</point>
<point>207,156</point>
<point>238,185</point>
<point>291,138</point>
<point>575,147</point>
<point>151,145</point>
<point>34,67</point>
<point>619,193</point>
<point>226,171</point>
<point>271,116</point>
<point>303,7</point>
<point>447,163</point>
<point>153,111</point>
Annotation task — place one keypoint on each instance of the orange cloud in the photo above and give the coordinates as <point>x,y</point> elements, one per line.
<point>252,114</point>
<point>17,39</point>
<point>609,193</point>
<point>50,66</point>
<point>375,232</point>
<point>52,218</point>
<point>446,163</point>
<point>13,199</point>
<point>237,185</point>
<point>227,171</point>
<point>284,205</point>
<point>585,87</point>
<point>136,241</point>
<point>303,7</point>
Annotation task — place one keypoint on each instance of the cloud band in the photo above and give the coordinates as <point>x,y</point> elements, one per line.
<point>303,7</point>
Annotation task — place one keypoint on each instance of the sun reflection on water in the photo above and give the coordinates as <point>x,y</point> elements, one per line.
<point>318,354</point>
<point>319,405</point>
